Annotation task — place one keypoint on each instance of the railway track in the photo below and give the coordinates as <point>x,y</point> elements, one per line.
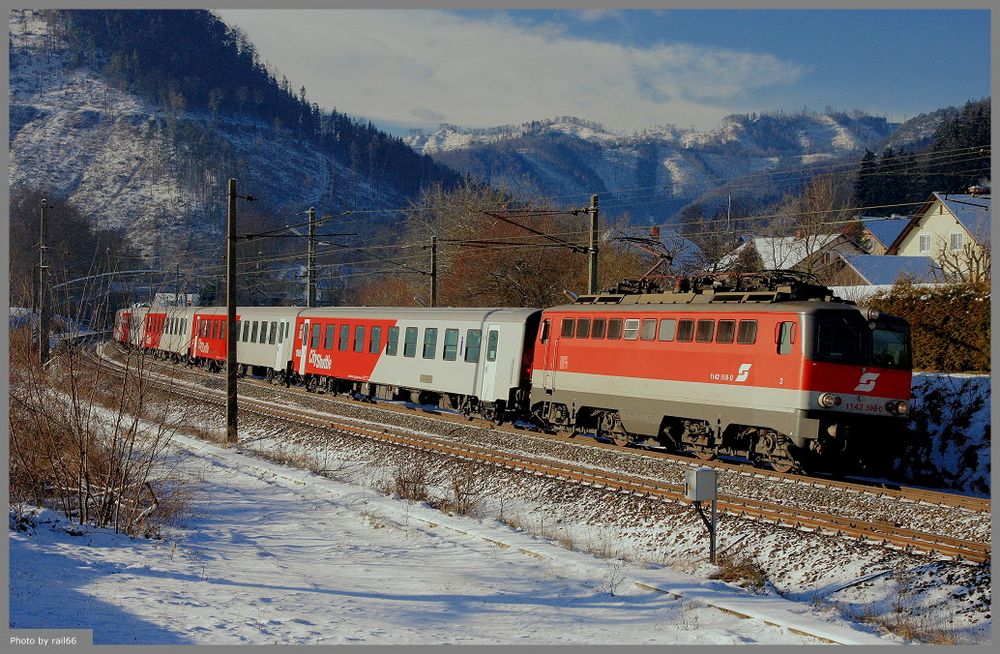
<point>771,512</point>
<point>873,487</point>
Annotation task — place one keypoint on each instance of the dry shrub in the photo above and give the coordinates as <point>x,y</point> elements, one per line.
<point>740,570</point>
<point>411,481</point>
<point>75,449</point>
<point>466,489</point>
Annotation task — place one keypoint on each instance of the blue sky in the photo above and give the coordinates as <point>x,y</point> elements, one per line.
<point>629,70</point>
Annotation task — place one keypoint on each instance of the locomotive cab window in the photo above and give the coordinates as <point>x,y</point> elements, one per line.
<point>685,331</point>
<point>726,331</point>
<point>891,346</point>
<point>598,328</point>
<point>614,329</point>
<point>786,336</point>
<point>648,329</point>
<point>392,341</point>
<point>668,328</point>
<point>747,334</point>
<point>568,327</point>
<point>706,329</point>
<point>841,337</point>
<point>631,329</point>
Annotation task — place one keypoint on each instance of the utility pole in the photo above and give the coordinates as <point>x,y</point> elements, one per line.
<point>434,271</point>
<point>231,432</point>
<point>43,289</point>
<point>592,276</point>
<point>311,260</point>
<point>177,285</point>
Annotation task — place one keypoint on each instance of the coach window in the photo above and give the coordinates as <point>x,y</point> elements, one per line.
<point>317,332</point>
<point>599,327</point>
<point>568,327</point>
<point>410,342</point>
<point>648,329</point>
<point>668,328</point>
<point>583,328</point>
<point>726,331</point>
<point>450,344</point>
<point>473,341</point>
<point>328,341</point>
<point>430,342</point>
<point>614,329</point>
<point>273,334</point>
<point>253,332</point>
<point>345,332</point>
<point>747,334</point>
<point>786,336</point>
<point>359,338</point>
<point>685,331</point>
<point>376,342</point>
<point>631,329</point>
<point>706,330</point>
<point>246,331</point>
<point>392,343</point>
<point>281,331</point>
<point>491,346</point>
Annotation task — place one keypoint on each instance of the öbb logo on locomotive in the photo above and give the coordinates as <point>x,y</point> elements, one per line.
<point>867,382</point>
<point>619,364</point>
<point>741,375</point>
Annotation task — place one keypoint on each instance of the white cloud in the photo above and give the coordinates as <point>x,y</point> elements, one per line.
<point>414,66</point>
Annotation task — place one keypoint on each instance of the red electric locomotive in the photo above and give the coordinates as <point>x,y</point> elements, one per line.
<point>768,367</point>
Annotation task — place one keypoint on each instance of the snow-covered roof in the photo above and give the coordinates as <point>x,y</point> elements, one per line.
<point>973,211</point>
<point>882,269</point>
<point>885,230</point>
<point>781,251</point>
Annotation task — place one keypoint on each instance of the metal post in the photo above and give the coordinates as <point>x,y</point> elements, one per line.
<point>711,546</point>
<point>434,271</point>
<point>177,286</point>
<point>231,431</point>
<point>592,276</point>
<point>43,289</point>
<point>311,260</point>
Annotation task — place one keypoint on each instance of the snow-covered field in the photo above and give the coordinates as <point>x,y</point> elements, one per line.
<point>270,554</point>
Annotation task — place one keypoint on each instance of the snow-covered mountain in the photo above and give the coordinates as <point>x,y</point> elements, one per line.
<point>160,174</point>
<point>652,172</point>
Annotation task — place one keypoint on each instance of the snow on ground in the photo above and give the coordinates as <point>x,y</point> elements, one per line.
<point>951,416</point>
<point>270,554</point>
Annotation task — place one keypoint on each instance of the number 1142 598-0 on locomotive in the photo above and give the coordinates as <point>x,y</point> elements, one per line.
<point>767,366</point>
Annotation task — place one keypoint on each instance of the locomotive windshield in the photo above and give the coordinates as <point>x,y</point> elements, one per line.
<point>846,337</point>
<point>891,346</point>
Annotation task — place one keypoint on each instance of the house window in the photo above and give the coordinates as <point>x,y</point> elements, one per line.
<point>955,241</point>
<point>925,243</point>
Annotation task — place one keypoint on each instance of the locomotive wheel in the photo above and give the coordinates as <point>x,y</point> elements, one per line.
<point>703,455</point>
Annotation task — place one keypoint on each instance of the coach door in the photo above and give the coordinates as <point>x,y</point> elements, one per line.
<point>305,347</point>
<point>492,342</point>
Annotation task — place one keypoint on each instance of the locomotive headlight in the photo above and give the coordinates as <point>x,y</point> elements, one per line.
<point>900,407</point>
<point>873,313</point>
<point>826,400</point>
